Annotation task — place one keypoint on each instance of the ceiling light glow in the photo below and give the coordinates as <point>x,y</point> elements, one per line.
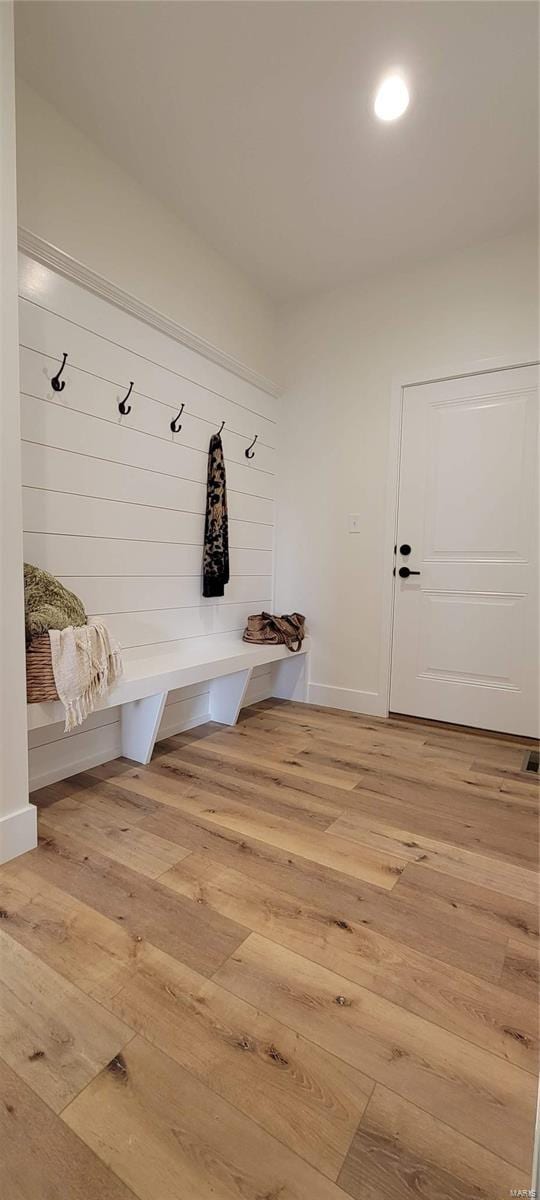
<point>392,98</point>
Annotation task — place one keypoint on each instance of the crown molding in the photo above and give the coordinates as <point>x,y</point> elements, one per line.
<point>51,256</point>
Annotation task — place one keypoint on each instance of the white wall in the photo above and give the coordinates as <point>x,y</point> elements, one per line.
<point>147,589</point>
<point>73,196</point>
<point>114,505</point>
<point>17,818</point>
<point>341,351</point>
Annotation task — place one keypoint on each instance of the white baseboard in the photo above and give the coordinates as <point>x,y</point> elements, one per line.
<point>18,833</point>
<point>370,703</point>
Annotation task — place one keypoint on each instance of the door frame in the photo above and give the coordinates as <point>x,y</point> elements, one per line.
<point>400,380</point>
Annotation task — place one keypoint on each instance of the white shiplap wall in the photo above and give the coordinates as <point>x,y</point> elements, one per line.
<point>114,506</point>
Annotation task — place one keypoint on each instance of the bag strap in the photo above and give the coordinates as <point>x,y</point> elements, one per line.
<point>282,625</point>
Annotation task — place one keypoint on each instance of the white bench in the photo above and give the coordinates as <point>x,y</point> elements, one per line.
<point>226,663</point>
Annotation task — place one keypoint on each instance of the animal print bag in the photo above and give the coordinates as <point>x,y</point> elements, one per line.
<point>286,630</point>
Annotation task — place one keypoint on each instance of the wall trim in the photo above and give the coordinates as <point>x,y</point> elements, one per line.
<point>413,378</point>
<point>18,833</point>
<point>58,260</point>
<point>350,699</point>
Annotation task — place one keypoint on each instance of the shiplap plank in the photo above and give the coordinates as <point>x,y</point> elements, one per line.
<point>80,474</point>
<point>53,512</point>
<point>208,644</point>
<point>182,714</point>
<point>186,693</point>
<point>55,755</point>
<point>100,397</point>
<point>60,758</point>
<point>108,716</point>
<point>150,349</point>
<point>52,733</point>
<point>71,555</point>
<point>116,594</point>
<point>57,423</point>
<point>168,625</point>
<point>259,687</point>
<point>115,505</point>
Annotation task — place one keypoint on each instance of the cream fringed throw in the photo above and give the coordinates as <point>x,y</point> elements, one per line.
<point>86,661</point>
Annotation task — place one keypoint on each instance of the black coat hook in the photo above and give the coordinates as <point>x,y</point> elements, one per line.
<point>250,453</point>
<point>221,428</point>
<point>175,427</point>
<point>123,406</point>
<point>57,384</point>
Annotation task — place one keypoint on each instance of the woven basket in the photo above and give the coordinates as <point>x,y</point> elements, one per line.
<point>40,685</point>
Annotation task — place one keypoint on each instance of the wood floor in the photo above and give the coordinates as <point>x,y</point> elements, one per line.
<point>292,960</point>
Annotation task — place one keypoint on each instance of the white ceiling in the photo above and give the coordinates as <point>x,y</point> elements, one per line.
<point>254,121</point>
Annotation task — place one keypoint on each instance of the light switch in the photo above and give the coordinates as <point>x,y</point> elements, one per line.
<point>354,522</point>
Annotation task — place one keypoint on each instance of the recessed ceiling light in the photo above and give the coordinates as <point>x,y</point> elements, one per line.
<point>392,98</point>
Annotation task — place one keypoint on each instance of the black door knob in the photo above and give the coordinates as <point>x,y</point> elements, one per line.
<point>405,548</point>
<point>404,572</point>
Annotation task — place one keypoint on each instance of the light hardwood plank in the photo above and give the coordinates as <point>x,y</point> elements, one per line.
<point>326,849</point>
<point>16,889</point>
<point>191,762</point>
<point>119,806</point>
<point>488,1016</point>
<point>341,727</point>
<point>51,1034</point>
<point>165,1134</point>
<point>411,923</point>
<point>91,951</point>
<point>471,747</point>
<point>507,772</point>
<point>400,1152</point>
<point>292,799</point>
<point>501,914</point>
<point>295,759</point>
<point>493,748</point>
<point>305,1097</point>
<point>338,721</point>
<point>134,847</point>
<point>519,882</point>
<point>342,903</point>
<point>521,970</point>
<point>41,1158</point>
<point>491,1101</point>
<point>412,765</point>
<point>142,906</point>
<point>505,829</point>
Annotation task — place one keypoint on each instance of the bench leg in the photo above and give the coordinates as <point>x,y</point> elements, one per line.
<point>140,721</point>
<point>226,696</point>
<point>290,678</point>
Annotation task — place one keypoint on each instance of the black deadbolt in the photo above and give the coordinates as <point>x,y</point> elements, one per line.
<point>405,548</point>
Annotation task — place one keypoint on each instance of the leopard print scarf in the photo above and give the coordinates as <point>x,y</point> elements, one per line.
<point>216,532</point>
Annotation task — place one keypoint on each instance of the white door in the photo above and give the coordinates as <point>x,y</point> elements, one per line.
<point>465,638</point>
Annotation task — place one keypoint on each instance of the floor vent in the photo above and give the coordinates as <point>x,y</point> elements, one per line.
<point>531,761</point>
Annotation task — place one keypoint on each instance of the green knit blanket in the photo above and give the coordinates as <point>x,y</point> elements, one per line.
<point>48,604</point>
